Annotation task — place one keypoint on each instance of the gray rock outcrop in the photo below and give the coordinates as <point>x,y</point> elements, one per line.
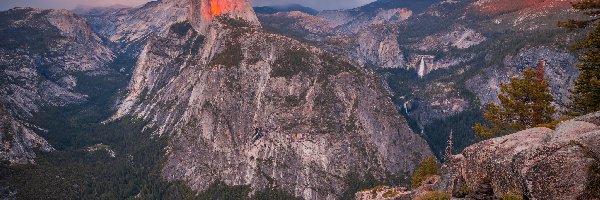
<point>559,71</point>
<point>17,139</point>
<point>538,163</point>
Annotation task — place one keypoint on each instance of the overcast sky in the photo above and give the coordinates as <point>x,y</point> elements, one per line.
<point>70,4</point>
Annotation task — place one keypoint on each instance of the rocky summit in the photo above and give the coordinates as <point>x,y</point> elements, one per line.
<point>202,12</point>
<point>252,108</point>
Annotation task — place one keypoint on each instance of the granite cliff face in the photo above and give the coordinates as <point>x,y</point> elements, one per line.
<point>17,139</point>
<point>41,53</point>
<point>129,26</point>
<point>252,108</point>
<point>348,22</point>
<point>203,12</point>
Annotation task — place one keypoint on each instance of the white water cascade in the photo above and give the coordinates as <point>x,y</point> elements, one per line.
<point>421,70</point>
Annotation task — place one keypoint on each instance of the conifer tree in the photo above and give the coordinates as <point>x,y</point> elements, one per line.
<point>586,94</point>
<point>450,144</point>
<point>524,103</point>
<point>426,168</point>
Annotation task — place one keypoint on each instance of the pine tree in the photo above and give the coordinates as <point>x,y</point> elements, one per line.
<point>586,94</point>
<point>524,103</point>
<point>448,152</point>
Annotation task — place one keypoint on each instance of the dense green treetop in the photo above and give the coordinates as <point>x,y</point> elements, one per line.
<point>525,102</point>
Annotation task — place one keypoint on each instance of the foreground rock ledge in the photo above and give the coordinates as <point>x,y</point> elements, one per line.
<point>537,163</point>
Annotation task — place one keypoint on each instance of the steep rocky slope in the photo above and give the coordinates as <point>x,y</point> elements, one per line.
<point>538,163</point>
<point>41,54</point>
<point>131,25</point>
<point>447,58</point>
<point>499,7</point>
<point>17,140</point>
<point>252,108</point>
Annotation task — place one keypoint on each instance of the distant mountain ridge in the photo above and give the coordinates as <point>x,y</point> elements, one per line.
<point>498,7</point>
<point>414,5</point>
<point>285,8</point>
<point>93,10</point>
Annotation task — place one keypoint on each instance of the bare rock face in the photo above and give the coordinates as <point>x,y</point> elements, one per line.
<point>559,70</point>
<point>131,25</point>
<point>349,22</point>
<point>202,12</point>
<point>251,108</point>
<point>17,140</point>
<point>442,44</point>
<point>538,163</point>
<point>459,37</point>
<point>382,192</point>
<point>379,46</point>
<point>499,7</point>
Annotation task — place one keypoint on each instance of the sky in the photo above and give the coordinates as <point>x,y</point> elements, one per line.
<point>70,4</point>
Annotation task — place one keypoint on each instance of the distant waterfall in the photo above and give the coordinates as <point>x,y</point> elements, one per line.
<point>421,71</point>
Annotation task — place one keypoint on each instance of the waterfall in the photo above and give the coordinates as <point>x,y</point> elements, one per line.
<point>421,70</point>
